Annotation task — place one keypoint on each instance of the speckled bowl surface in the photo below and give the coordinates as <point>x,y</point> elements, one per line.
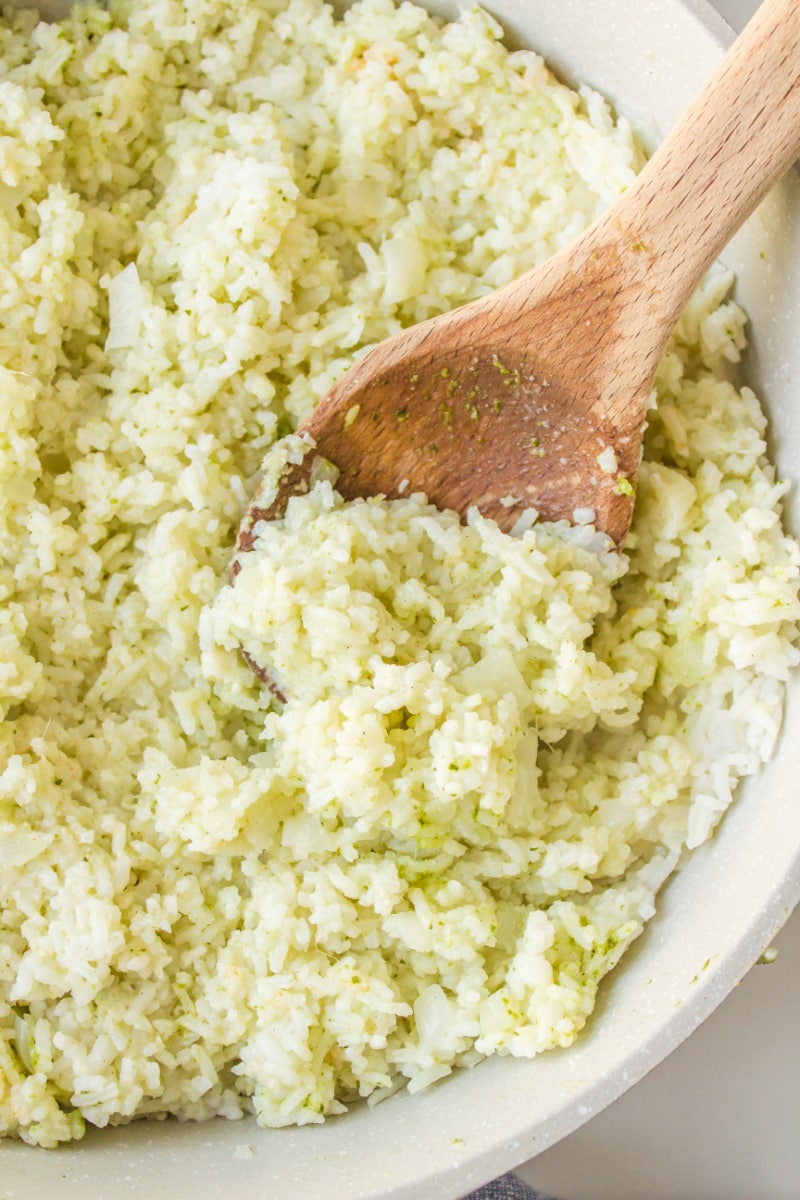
<point>649,57</point>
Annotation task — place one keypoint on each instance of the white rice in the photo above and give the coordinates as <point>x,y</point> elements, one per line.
<point>493,749</point>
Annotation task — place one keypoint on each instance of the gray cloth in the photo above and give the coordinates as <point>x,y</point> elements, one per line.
<point>507,1187</point>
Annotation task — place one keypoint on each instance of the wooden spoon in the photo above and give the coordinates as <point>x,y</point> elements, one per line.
<point>535,395</point>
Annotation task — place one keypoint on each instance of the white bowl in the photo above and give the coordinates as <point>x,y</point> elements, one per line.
<point>649,57</point>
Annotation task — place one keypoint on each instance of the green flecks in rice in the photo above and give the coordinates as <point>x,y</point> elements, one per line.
<point>493,750</point>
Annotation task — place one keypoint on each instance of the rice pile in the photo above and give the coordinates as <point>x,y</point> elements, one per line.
<point>493,749</point>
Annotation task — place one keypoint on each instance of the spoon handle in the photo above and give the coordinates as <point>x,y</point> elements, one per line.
<point>719,161</point>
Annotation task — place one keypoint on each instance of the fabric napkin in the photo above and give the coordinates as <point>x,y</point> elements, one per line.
<point>507,1187</point>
